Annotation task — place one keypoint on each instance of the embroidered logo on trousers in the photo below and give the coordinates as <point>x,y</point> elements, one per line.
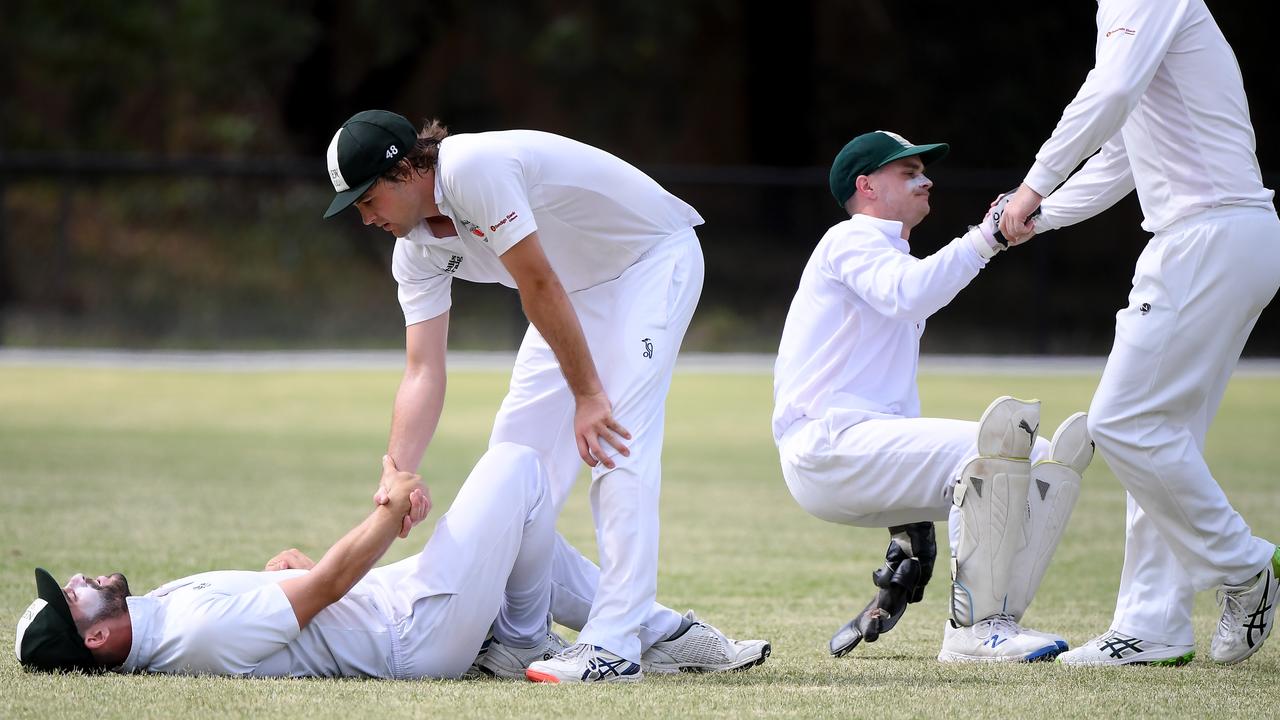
<point>648,348</point>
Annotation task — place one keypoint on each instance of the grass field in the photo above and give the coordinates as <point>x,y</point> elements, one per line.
<point>161,474</point>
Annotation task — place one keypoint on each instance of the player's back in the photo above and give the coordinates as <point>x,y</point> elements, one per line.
<point>595,214</point>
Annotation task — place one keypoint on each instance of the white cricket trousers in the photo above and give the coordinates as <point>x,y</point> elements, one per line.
<point>1198,289</point>
<point>493,548</point>
<point>882,471</point>
<point>634,325</point>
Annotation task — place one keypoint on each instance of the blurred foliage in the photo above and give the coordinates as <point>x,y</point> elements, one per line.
<point>181,76</point>
<point>692,91</point>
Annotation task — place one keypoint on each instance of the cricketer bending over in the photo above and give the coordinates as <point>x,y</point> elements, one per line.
<point>609,270</point>
<point>854,449</point>
<point>1164,110</point>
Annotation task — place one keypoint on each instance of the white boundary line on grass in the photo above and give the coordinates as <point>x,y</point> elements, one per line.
<point>723,363</point>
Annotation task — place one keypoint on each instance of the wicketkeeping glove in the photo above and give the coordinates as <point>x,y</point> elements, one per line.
<point>986,236</point>
<point>907,569</point>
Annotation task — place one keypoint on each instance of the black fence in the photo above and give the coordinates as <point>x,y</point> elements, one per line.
<point>108,250</point>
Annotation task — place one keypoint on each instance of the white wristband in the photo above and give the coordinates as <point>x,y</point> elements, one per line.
<point>986,247</point>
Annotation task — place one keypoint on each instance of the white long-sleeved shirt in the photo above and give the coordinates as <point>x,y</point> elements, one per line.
<point>1165,103</point>
<point>852,336</point>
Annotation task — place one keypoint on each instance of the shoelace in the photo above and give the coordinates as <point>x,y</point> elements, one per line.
<point>575,650</point>
<point>1232,607</point>
<point>996,625</point>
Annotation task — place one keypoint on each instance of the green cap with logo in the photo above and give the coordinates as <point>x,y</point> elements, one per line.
<point>871,151</point>
<point>47,638</point>
<point>367,145</point>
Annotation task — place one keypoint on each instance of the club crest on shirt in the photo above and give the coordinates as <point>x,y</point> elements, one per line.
<point>474,229</point>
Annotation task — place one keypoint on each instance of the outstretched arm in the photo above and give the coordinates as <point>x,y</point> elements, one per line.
<point>357,552</point>
<point>419,401</point>
<point>1133,38</point>
<point>1102,182</point>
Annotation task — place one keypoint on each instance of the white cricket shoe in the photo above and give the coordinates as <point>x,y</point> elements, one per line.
<point>1008,428</point>
<point>584,663</point>
<point>1248,613</point>
<point>996,639</point>
<point>1058,640</point>
<point>1115,648</point>
<point>505,661</point>
<point>702,648</point>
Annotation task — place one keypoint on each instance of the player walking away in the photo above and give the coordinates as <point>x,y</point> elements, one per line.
<point>1165,111</point>
<point>609,271</point>
<point>854,449</point>
<point>486,568</point>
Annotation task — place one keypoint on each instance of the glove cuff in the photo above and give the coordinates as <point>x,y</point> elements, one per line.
<point>983,243</point>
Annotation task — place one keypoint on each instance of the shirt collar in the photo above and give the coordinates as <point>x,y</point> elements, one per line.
<point>142,615</point>
<point>892,229</point>
<point>441,202</point>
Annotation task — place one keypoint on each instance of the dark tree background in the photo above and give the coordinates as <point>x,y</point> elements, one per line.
<point>161,164</point>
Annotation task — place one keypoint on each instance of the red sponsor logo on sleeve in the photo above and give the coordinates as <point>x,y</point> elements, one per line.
<point>511,216</point>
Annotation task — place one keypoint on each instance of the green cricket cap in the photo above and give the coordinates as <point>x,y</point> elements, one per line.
<point>367,145</point>
<point>47,638</point>
<point>871,151</point>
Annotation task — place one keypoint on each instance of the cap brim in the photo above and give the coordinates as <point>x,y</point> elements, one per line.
<point>48,590</point>
<point>929,154</point>
<point>51,642</point>
<point>344,199</point>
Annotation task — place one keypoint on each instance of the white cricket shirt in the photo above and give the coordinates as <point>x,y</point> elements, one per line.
<point>237,622</point>
<point>852,336</point>
<point>595,215</point>
<point>1165,103</point>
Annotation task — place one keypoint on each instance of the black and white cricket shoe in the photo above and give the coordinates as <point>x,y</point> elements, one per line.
<point>1115,648</point>
<point>1248,614</point>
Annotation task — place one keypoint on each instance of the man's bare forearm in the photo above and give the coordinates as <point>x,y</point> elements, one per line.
<point>415,416</point>
<point>349,560</point>
<point>352,557</point>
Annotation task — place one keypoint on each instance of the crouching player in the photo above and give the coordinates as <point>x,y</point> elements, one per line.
<point>854,449</point>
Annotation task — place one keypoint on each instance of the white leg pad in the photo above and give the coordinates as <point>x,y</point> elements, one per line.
<point>992,497</point>
<point>1053,493</point>
<point>1055,486</point>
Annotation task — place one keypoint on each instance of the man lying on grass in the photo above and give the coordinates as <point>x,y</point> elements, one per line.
<point>487,569</point>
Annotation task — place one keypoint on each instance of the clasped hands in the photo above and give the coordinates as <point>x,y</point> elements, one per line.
<point>1015,214</point>
<point>404,494</point>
